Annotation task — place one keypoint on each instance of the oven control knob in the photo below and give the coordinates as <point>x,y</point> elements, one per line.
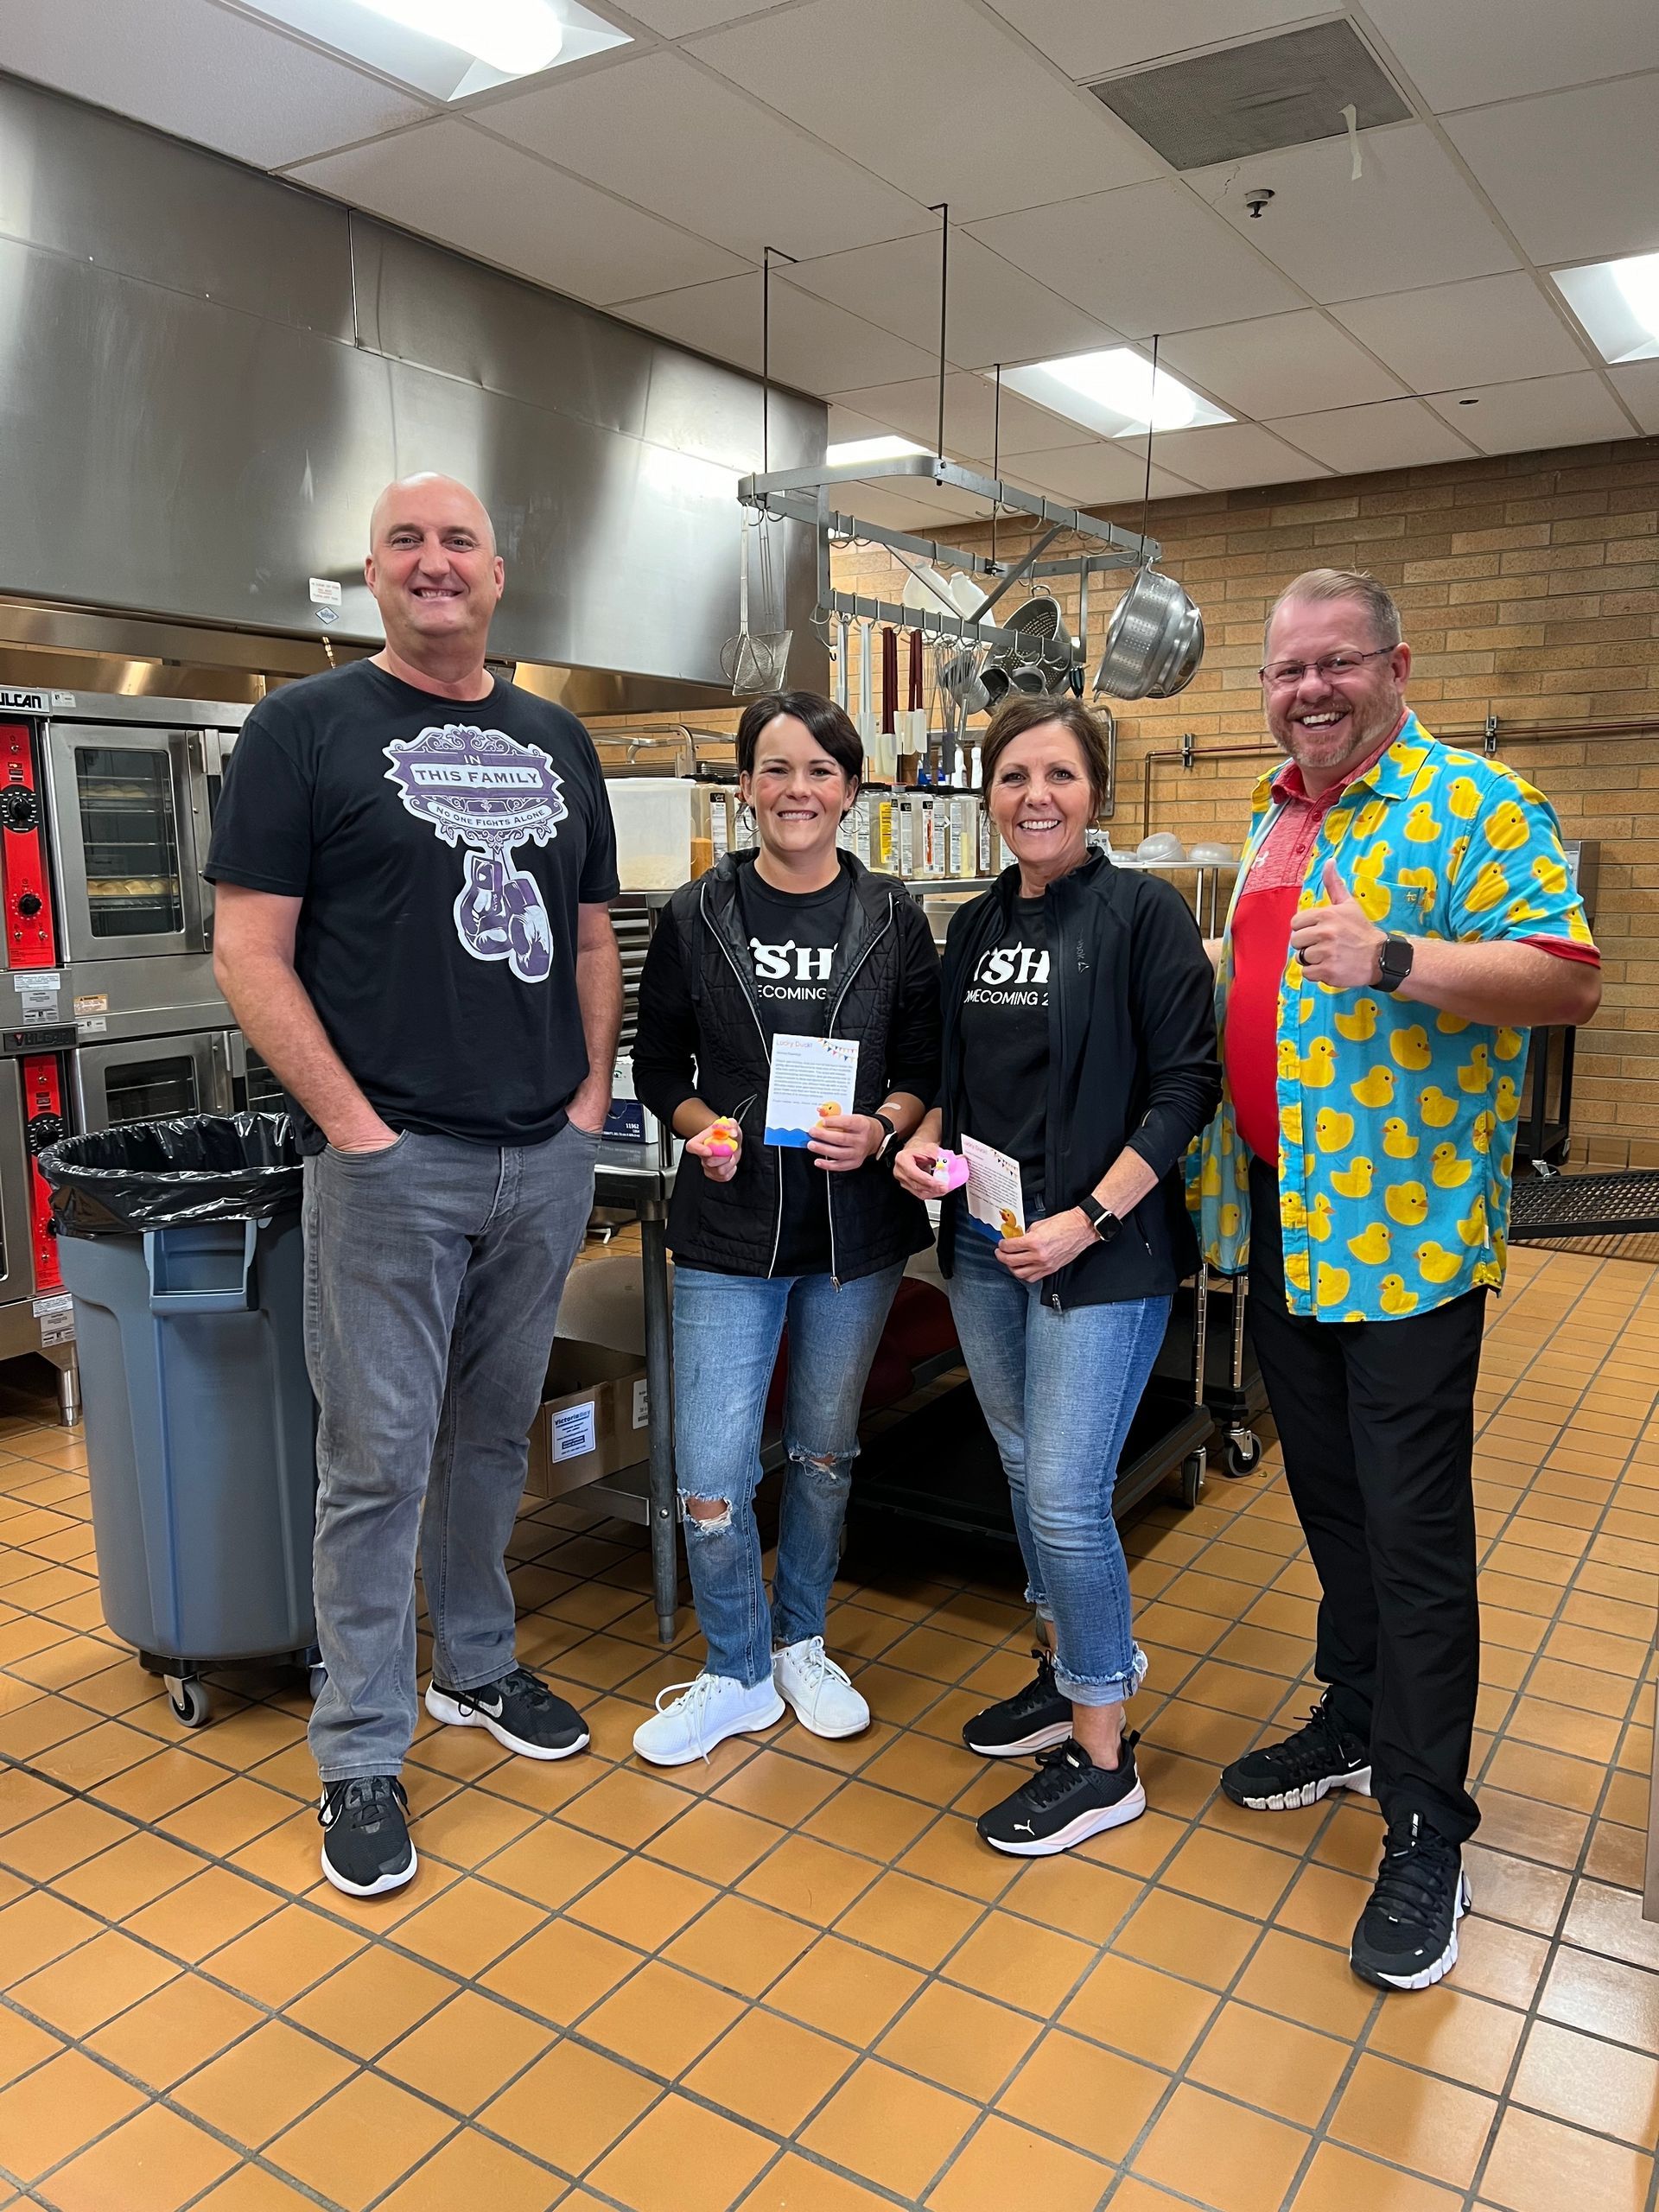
<point>19,808</point>
<point>29,904</point>
<point>44,1129</point>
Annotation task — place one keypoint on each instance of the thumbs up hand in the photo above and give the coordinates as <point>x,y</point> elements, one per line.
<point>1337,943</point>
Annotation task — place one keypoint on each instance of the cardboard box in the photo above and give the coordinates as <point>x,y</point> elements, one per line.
<point>592,1420</point>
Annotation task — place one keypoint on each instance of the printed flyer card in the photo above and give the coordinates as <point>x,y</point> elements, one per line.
<point>996,1206</point>
<point>810,1077</point>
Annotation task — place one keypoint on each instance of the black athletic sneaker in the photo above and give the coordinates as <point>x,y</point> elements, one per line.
<point>1034,1719</point>
<point>365,1846</point>
<point>1320,1758</point>
<point>519,1711</point>
<point>1406,1937</point>
<point>1067,1800</point>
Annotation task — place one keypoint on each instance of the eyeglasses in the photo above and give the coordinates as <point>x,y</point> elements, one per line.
<point>1284,675</point>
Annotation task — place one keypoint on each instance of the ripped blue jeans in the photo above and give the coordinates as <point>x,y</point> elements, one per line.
<point>726,1330</point>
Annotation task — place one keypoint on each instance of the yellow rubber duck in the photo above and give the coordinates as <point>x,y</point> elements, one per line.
<point>1422,880</point>
<point>1373,1244</point>
<point>1488,886</point>
<point>1296,1269</point>
<point>1290,1122</point>
<point>1523,911</point>
<point>1454,854</point>
<point>1451,1025</point>
<point>1397,1140</point>
<point>1293,973</point>
<point>1420,826</point>
<point>1508,1043</point>
<point>1481,1134</point>
<point>1359,1026</point>
<point>1332,1132</point>
<point>1290,1060</point>
<point>1320,1064</point>
<point>1209,1177</point>
<point>1318,1218</point>
<point>1230,1217</point>
<point>1338,823</point>
<point>1435,1264</point>
<point>1305,1009</point>
<point>1393,1296</point>
<point>1406,1203</point>
<point>1422,781</point>
<point>1408,759</point>
<point>1507,828</point>
<point>1437,1108</point>
<point>1463,797</point>
<point>1376,1087</point>
<point>1410,1048</point>
<point>1578,929</point>
<point>1334,1284</point>
<point>1507,1099</point>
<point>1371,818</point>
<point>1472,1227</point>
<point>1448,1170</point>
<point>1353,1182</point>
<point>1553,878</point>
<point>1293,1214</point>
<point>1375,898</point>
<point>1477,1074</point>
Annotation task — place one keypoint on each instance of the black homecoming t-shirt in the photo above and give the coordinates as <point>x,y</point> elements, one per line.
<point>792,938</point>
<point>441,848</point>
<point>1005,1045</point>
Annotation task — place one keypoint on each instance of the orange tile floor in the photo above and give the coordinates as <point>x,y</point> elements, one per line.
<point>792,1980</point>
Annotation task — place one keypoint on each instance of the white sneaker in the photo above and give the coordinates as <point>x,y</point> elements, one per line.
<point>702,1715</point>
<point>824,1701</point>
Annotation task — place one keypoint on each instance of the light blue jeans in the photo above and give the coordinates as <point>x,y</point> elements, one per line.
<point>1059,1392</point>
<point>726,1330</point>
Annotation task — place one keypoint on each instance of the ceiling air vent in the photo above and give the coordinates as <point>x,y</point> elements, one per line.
<point>1250,99</point>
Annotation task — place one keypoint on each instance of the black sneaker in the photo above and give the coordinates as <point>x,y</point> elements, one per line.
<point>1406,1937</point>
<point>1034,1719</point>
<point>519,1711</point>
<point>1320,1758</point>
<point>365,1846</point>
<point>1066,1800</point>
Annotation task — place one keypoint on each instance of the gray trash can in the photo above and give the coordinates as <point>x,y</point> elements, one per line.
<point>181,1243</point>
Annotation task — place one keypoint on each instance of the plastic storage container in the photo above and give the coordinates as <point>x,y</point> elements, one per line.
<point>181,1243</point>
<point>665,835</point>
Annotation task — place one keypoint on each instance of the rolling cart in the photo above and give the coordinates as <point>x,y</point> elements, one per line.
<point>1230,1384</point>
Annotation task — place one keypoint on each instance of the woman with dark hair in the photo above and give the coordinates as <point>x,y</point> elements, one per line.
<point>1080,1043</point>
<point>793,938</point>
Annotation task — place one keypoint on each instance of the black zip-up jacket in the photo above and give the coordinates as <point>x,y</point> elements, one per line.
<point>700,1036</point>
<point>1131,1061</point>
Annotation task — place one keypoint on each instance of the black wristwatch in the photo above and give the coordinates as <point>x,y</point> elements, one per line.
<point>887,1141</point>
<point>1393,963</point>
<point>1104,1223</point>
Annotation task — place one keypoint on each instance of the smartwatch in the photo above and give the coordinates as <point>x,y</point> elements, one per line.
<point>1393,963</point>
<point>1104,1223</point>
<point>887,1141</point>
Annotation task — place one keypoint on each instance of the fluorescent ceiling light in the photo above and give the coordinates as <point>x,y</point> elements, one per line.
<point>1114,394</point>
<point>854,449</point>
<point>1617,302</point>
<point>449,48</point>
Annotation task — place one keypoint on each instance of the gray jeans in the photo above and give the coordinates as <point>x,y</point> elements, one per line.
<point>434,1271</point>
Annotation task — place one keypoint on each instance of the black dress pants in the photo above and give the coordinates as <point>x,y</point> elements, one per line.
<point>1377,1421</point>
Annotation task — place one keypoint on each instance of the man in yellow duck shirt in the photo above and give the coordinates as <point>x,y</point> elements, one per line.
<point>1404,913</point>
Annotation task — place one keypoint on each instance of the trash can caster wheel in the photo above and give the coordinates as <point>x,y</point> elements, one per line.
<point>189,1702</point>
<point>315,1680</point>
<point>1244,1452</point>
<point>1192,1480</point>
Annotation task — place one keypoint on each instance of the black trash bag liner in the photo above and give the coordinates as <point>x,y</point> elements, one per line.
<point>160,1174</point>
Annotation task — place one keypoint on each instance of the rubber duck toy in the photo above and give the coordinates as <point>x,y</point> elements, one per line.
<point>949,1170</point>
<point>724,1137</point>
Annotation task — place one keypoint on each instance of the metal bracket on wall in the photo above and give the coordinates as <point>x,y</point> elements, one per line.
<point>1489,736</point>
<point>1188,741</point>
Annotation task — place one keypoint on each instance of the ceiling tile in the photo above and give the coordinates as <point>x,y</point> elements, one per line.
<point>972,424</point>
<point>1091,41</point>
<point>905,510</point>
<point>1396,434</point>
<point>1149,258</point>
<point>680,18</point>
<point>1523,417</point>
<point>667,135</point>
<point>1637,384</point>
<point>1231,454</point>
<point>997,313</point>
<point>935,97</point>
<point>202,73</point>
<point>1487,330</point>
<point>846,425</point>
<point>814,347</point>
<point>1103,470</point>
<point>1480,50</point>
<point>450,181</point>
<point>1573,174</point>
<point>1410,218</point>
<point>1278,364</point>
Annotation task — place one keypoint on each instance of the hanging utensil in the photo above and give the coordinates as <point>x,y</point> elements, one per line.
<point>866,715</point>
<point>886,748</point>
<point>1155,641</point>
<point>916,723</point>
<point>771,643</point>
<point>843,628</point>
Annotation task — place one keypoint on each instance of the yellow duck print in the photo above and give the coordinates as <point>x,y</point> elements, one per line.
<point>1374,896</point>
<point>1420,826</point>
<point>1508,1044</point>
<point>1437,1108</point>
<point>1320,1065</point>
<point>1435,1264</point>
<point>1488,886</point>
<point>1551,875</point>
<point>1481,1134</point>
<point>1290,1060</point>
<point>1290,1121</point>
<point>1334,1284</point>
<point>1423,880</point>
<point>1353,1182</point>
<point>1507,1099</point>
<point>1371,818</point>
<point>1523,911</point>
<point>1472,1227</point>
<point>1463,797</point>
<point>1410,1048</point>
<point>1393,1296</point>
<point>1359,1026</point>
<point>1373,1244</point>
<point>1337,826</point>
<point>1332,1132</point>
<point>1318,1218</point>
<point>1293,1214</point>
<point>1230,1217</point>
<point>1508,830</point>
<point>1397,1140</point>
<point>1447,1170</point>
<point>1296,1270</point>
<point>1376,1088</point>
<point>1479,1073</point>
<point>1406,1203</point>
<point>1449,1025</point>
<point>1209,1177</point>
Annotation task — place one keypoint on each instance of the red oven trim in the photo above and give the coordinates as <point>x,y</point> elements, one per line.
<point>43,1124</point>
<point>25,885</point>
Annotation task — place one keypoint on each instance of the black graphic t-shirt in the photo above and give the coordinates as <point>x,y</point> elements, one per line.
<point>1005,1045</point>
<point>792,937</point>
<point>441,848</point>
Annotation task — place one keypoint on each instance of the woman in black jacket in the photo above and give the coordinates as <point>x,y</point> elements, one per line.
<point>795,938</point>
<point>1080,1044</point>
